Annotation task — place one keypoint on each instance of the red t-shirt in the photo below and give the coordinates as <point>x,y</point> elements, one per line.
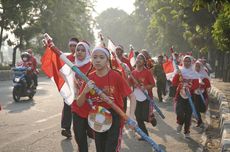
<point>143,77</point>
<point>113,85</point>
<point>125,60</point>
<point>84,110</point>
<point>71,57</point>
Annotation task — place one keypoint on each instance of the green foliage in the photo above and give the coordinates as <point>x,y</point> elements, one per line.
<point>126,29</point>
<point>29,19</point>
<point>117,25</point>
<point>221,29</point>
<point>66,19</point>
<point>167,26</point>
<point>174,23</point>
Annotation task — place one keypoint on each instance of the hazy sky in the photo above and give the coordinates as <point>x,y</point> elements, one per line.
<point>126,5</point>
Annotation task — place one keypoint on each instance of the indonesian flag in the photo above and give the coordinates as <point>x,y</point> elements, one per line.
<point>111,46</point>
<point>115,61</point>
<point>168,66</point>
<point>60,73</point>
<point>169,69</point>
<point>131,57</point>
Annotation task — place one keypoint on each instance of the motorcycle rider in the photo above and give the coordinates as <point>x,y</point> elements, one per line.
<point>35,71</point>
<point>25,62</point>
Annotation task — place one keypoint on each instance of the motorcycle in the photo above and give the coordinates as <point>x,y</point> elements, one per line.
<point>21,86</point>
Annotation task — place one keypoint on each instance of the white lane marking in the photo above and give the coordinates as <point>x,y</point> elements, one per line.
<point>36,109</point>
<point>48,118</point>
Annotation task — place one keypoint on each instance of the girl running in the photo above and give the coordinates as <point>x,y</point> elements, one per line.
<point>66,119</point>
<point>201,106</point>
<point>144,78</point>
<point>115,87</point>
<point>191,83</point>
<point>80,114</point>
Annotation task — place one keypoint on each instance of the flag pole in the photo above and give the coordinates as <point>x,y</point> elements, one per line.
<point>49,43</point>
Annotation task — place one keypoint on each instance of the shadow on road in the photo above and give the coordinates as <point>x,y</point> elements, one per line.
<point>17,107</point>
<point>66,145</point>
<point>135,145</point>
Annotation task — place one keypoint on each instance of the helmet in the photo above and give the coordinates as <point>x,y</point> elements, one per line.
<point>25,56</point>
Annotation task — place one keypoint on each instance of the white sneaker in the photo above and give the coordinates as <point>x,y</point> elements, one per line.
<point>187,135</point>
<point>178,128</point>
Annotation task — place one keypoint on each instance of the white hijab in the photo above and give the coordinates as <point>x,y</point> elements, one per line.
<point>188,73</point>
<point>202,73</point>
<point>86,60</point>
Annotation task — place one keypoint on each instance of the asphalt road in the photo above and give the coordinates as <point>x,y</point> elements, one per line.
<point>34,126</point>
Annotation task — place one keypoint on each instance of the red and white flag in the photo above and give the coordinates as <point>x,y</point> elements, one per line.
<point>60,73</point>
<point>115,60</point>
<point>111,46</point>
<point>131,57</point>
<point>169,69</point>
<point>168,66</point>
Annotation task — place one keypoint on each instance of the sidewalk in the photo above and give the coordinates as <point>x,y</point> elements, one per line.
<point>221,90</point>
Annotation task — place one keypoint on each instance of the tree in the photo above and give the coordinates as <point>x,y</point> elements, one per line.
<point>220,34</point>
<point>221,29</point>
<point>28,20</point>
<point>142,17</point>
<point>17,17</point>
<point>167,27</point>
<point>63,20</point>
<point>117,25</point>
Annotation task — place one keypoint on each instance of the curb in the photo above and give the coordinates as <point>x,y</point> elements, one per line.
<point>224,109</point>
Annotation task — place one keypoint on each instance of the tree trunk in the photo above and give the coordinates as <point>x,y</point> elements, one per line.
<point>212,58</point>
<point>14,54</point>
<point>1,33</point>
<point>226,67</point>
<point>219,65</point>
<point>2,24</point>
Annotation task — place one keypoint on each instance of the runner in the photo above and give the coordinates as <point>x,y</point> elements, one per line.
<point>80,114</point>
<point>120,55</point>
<point>191,83</point>
<point>115,87</point>
<point>204,82</point>
<point>160,77</point>
<point>66,120</point>
<point>144,110</point>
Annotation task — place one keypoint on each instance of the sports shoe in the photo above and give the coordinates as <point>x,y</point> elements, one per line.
<point>66,133</point>
<point>140,139</point>
<point>178,128</point>
<point>201,125</point>
<point>187,135</point>
<point>153,121</point>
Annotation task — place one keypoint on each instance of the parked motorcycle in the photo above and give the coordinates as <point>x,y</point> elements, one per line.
<point>22,87</point>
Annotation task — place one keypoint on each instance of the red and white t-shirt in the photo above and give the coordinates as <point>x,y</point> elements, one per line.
<point>113,85</point>
<point>84,110</point>
<point>144,77</point>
